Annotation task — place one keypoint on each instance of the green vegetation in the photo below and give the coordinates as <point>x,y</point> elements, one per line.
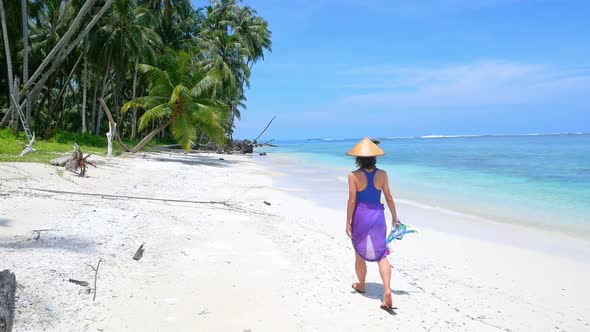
<point>58,145</point>
<point>182,71</point>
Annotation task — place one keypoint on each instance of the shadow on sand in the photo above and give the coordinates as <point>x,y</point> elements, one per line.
<point>47,241</point>
<point>193,160</point>
<point>375,291</point>
<point>5,222</point>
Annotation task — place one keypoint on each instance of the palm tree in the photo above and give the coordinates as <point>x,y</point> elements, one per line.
<point>125,39</point>
<point>180,96</point>
<point>232,40</point>
<point>177,20</point>
<point>254,33</point>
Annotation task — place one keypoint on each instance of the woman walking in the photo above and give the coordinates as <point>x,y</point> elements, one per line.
<point>365,218</point>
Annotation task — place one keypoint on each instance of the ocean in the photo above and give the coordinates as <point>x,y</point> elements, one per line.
<point>540,180</point>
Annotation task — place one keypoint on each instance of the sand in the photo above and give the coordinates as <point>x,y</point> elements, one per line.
<point>287,266</point>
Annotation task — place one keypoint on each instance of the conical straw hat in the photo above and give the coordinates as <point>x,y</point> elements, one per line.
<point>365,148</point>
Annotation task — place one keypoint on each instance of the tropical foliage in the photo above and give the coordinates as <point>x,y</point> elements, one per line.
<point>163,67</point>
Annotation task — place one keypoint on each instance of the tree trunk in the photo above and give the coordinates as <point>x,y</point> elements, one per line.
<point>35,110</point>
<point>7,298</point>
<point>8,56</point>
<point>112,124</point>
<point>63,89</point>
<point>5,118</point>
<point>151,135</point>
<point>61,121</point>
<point>102,93</point>
<point>25,19</point>
<point>115,93</point>
<point>134,109</point>
<point>84,85</point>
<point>93,117</point>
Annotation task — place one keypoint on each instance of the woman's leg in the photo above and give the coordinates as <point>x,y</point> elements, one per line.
<point>385,272</point>
<point>361,272</point>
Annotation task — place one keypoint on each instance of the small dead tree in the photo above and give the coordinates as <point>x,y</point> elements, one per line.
<point>78,163</point>
<point>95,276</point>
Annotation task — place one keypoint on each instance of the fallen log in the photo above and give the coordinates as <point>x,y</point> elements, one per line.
<point>7,298</point>
<point>60,161</point>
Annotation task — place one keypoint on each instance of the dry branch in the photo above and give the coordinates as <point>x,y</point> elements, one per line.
<point>125,196</point>
<point>268,125</point>
<point>95,276</point>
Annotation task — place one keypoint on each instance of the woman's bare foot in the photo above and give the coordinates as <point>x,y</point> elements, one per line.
<point>387,301</point>
<point>358,287</point>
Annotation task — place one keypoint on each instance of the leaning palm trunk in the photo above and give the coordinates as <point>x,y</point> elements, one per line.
<point>25,20</point>
<point>134,110</point>
<point>62,42</point>
<point>151,135</point>
<point>61,92</point>
<point>63,55</point>
<point>102,93</point>
<point>84,86</point>
<point>8,57</point>
<point>93,114</point>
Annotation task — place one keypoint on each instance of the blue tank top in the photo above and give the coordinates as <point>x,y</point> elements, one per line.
<point>370,194</point>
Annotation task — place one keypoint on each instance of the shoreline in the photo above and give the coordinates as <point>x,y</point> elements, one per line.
<point>262,267</point>
<point>304,185</point>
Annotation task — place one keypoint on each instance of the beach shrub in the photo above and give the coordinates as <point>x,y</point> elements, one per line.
<point>82,139</point>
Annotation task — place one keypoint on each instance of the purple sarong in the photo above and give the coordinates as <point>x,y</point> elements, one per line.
<point>369,231</point>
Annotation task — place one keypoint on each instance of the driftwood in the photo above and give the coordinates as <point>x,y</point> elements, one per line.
<point>7,298</point>
<point>60,161</point>
<point>95,276</point>
<point>79,282</point>
<point>38,231</point>
<point>138,253</point>
<point>27,148</point>
<point>267,203</point>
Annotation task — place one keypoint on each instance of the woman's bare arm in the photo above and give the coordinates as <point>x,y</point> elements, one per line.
<point>351,202</point>
<point>389,200</point>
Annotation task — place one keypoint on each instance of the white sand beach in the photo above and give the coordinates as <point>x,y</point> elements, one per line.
<point>249,266</point>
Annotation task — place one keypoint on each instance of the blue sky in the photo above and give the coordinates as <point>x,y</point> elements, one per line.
<point>351,68</point>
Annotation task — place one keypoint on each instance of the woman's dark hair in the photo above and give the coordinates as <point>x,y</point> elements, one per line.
<point>366,162</point>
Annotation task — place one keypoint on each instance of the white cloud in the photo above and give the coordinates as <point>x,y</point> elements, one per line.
<point>473,84</point>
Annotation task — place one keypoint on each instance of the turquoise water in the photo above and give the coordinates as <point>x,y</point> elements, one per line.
<point>535,180</point>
